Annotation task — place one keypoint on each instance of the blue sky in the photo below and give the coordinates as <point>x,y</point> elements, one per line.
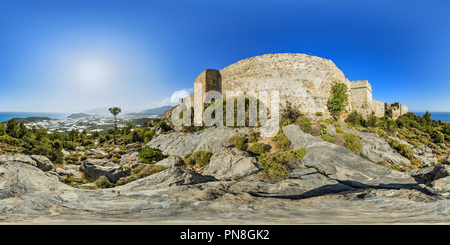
<point>65,55</point>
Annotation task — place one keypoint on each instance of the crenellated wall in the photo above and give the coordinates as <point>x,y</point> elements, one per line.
<point>304,80</point>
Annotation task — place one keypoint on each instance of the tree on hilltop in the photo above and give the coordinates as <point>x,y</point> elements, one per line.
<point>115,111</point>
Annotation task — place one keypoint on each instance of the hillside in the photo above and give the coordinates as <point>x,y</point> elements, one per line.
<point>155,111</point>
<point>30,119</point>
<point>79,115</point>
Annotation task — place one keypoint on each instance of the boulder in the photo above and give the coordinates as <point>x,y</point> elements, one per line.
<point>343,165</point>
<point>442,171</point>
<point>103,167</point>
<point>166,178</point>
<point>128,159</point>
<point>97,150</point>
<point>302,183</point>
<point>298,138</point>
<point>42,162</point>
<point>270,128</point>
<point>331,130</point>
<point>425,155</point>
<point>17,158</point>
<point>446,160</point>
<point>228,163</point>
<point>376,149</point>
<point>171,161</point>
<point>184,144</point>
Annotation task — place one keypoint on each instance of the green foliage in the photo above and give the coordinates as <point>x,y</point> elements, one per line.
<point>199,158</point>
<point>258,148</point>
<point>355,118</point>
<point>304,123</point>
<point>102,182</point>
<point>327,137</point>
<point>339,98</point>
<point>403,149</point>
<point>150,155</point>
<point>300,153</point>
<point>239,141</point>
<point>139,172</point>
<point>282,142</point>
<point>353,143</point>
<point>289,114</point>
<point>254,135</point>
<point>164,127</point>
<point>319,114</point>
<point>323,128</point>
<point>273,164</point>
<point>340,130</point>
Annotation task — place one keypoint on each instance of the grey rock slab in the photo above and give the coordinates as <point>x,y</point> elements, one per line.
<point>171,161</point>
<point>306,183</point>
<point>42,162</point>
<point>331,130</point>
<point>298,138</point>
<point>166,178</point>
<point>17,158</point>
<point>103,167</point>
<point>228,162</point>
<point>270,128</point>
<point>424,154</point>
<point>184,144</point>
<point>128,159</point>
<point>346,167</point>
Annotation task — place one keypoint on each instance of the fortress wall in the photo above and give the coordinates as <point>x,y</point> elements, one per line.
<point>403,109</point>
<point>302,79</point>
<point>361,97</point>
<point>211,81</point>
<point>378,107</point>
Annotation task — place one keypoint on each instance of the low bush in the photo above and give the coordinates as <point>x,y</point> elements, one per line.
<point>150,155</point>
<point>274,164</point>
<point>304,123</point>
<point>239,141</point>
<point>102,182</point>
<point>300,153</point>
<point>403,149</point>
<point>319,114</point>
<point>282,142</point>
<point>323,128</point>
<point>199,158</point>
<point>327,138</point>
<point>340,130</point>
<point>258,148</point>
<point>253,137</point>
<point>353,143</point>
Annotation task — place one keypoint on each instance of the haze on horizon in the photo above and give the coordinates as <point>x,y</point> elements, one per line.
<point>66,56</point>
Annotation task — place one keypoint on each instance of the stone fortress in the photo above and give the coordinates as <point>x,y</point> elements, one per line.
<point>302,79</point>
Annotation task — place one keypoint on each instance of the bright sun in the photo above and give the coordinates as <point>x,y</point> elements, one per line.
<point>92,74</point>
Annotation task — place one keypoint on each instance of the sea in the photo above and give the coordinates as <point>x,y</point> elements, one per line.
<point>443,116</point>
<point>5,116</point>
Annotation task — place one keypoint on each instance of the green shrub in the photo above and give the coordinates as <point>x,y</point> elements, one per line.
<point>282,142</point>
<point>199,158</point>
<point>339,99</point>
<point>150,155</point>
<point>304,123</point>
<point>353,143</point>
<point>340,130</point>
<point>114,159</point>
<point>102,182</point>
<point>323,128</point>
<point>300,153</point>
<point>355,118</point>
<point>327,137</point>
<point>273,166</point>
<point>289,114</point>
<point>253,137</point>
<point>319,114</point>
<point>239,141</point>
<point>403,149</point>
<point>258,148</point>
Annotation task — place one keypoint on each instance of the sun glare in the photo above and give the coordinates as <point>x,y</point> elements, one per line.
<point>92,73</point>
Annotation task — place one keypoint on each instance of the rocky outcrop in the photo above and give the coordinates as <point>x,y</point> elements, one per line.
<point>42,162</point>
<point>425,155</point>
<point>103,167</point>
<point>171,161</point>
<point>184,144</point>
<point>343,165</point>
<point>228,163</point>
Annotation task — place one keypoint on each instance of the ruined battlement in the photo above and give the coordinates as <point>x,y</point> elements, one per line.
<point>304,80</point>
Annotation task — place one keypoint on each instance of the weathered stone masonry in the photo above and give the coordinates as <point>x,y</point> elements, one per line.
<point>304,80</point>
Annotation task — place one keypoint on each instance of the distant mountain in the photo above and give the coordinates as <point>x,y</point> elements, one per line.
<point>98,111</point>
<point>30,119</point>
<point>79,115</point>
<point>156,111</point>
